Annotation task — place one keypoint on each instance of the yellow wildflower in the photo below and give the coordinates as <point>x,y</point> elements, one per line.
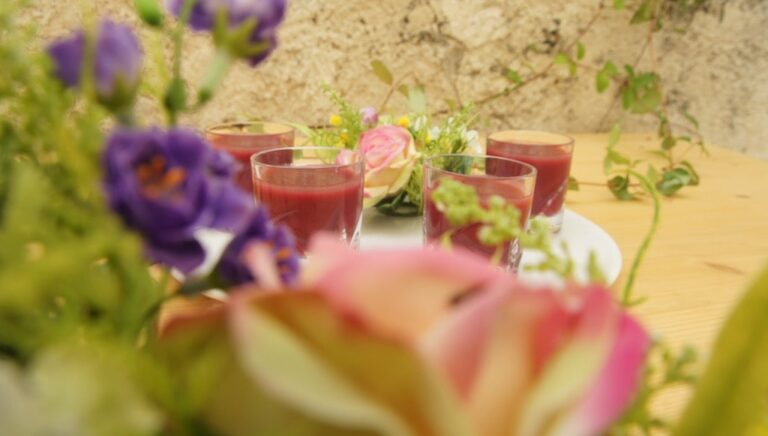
<point>404,122</point>
<point>335,120</point>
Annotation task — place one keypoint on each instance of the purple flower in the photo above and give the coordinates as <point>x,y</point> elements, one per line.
<point>370,116</point>
<point>167,185</point>
<point>117,62</point>
<point>232,271</point>
<point>267,14</point>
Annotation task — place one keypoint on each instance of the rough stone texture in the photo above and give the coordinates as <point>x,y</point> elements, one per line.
<point>459,49</point>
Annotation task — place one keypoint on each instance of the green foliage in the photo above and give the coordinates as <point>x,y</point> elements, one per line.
<point>642,91</point>
<point>346,132</point>
<point>66,260</point>
<point>382,72</point>
<point>605,75</point>
<point>150,12</point>
<point>500,224</point>
<point>565,60</point>
<point>666,369</point>
<point>730,397</point>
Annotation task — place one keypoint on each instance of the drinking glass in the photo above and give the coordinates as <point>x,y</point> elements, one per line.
<point>551,154</point>
<point>243,139</point>
<point>489,176</point>
<point>311,190</point>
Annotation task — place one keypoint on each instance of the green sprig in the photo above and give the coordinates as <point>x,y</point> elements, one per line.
<point>500,224</point>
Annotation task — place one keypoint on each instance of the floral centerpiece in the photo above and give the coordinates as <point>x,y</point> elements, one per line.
<point>97,338</point>
<point>394,148</point>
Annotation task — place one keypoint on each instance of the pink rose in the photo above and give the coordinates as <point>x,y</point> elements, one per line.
<point>390,156</point>
<point>423,342</point>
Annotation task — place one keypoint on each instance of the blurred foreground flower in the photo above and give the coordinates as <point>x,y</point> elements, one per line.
<point>116,66</point>
<point>414,342</point>
<point>234,268</point>
<point>390,156</point>
<point>260,18</point>
<point>167,185</point>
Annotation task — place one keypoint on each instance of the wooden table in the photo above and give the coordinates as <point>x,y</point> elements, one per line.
<point>711,242</point>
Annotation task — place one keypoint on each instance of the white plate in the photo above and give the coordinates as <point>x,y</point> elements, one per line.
<point>581,235</point>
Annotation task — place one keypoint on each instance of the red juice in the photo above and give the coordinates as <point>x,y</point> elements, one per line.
<point>551,178</point>
<point>312,199</point>
<point>436,224</point>
<point>243,140</point>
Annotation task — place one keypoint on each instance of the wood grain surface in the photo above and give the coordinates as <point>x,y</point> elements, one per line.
<point>711,242</point>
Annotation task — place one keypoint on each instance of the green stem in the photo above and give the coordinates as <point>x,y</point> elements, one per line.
<point>174,107</point>
<point>626,293</point>
<point>214,75</point>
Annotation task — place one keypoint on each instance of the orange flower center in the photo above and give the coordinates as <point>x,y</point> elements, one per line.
<point>157,179</point>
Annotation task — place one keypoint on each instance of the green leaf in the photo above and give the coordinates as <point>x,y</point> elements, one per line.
<point>691,119</point>
<point>381,71</point>
<point>614,157</point>
<point>642,94</point>
<point>615,135</point>
<point>596,274</point>
<point>669,143</point>
<point>653,174</point>
<point>644,13</point>
<point>417,100</point>
<point>565,60</point>
<point>403,89</point>
<point>573,184</point>
<point>618,4</point>
<point>673,181</point>
<point>628,98</point>
<point>604,76</point>
<point>619,186</point>
<point>581,51</point>
<point>513,76</point>
<point>695,179</point>
<point>602,82</point>
<point>730,396</point>
<point>149,12</point>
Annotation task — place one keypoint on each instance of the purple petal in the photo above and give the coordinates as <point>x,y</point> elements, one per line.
<point>67,56</point>
<point>184,255</point>
<point>118,59</point>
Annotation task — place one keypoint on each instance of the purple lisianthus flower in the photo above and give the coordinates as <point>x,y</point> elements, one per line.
<point>268,14</point>
<point>168,184</point>
<point>232,271</point>
<point>370,116</point>
<point>117,62</point>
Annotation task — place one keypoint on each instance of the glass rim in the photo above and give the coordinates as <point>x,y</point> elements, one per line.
<point>532,171</point>
<point>214,129</point>
<point>519,137</point>
<point>358,158</point>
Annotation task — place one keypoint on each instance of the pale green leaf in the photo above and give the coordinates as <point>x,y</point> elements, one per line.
<point>615,135</point>
<point>730,396</point>
<point>602,82</point>
<point>382,72</point>
<point>581,51</point>
<point>417,100</point>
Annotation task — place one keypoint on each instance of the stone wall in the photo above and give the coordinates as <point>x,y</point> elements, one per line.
<point>715,70</point>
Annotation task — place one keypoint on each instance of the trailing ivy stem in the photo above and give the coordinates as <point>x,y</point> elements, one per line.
<point>626,293</point>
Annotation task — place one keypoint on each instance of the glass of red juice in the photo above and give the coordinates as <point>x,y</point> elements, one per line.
<point>511,180</point>
<point>312,190</point>
<point>551,154</point>
<point>243,139</point>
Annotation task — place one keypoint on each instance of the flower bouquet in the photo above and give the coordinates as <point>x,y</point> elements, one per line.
<point>98,338</point>
<point>394,149</point>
